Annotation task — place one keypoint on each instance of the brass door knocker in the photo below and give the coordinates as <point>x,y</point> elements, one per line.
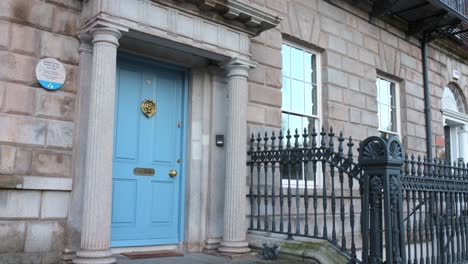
<point>148,107</point>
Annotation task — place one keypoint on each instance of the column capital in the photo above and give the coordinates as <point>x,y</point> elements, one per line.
<point>106,34</point>
<point>238,66</point>
<point>85,42</point>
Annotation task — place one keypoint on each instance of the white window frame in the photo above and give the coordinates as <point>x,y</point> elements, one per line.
<point>397,105</point>
<point>458,123</point>
<point>458,136</point>
<point>318,63</point>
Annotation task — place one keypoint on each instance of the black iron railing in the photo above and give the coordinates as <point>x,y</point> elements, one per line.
<point>417,208</point>
<point>411,210</point>
<point>435,194</point>
<point>458,6</point>
<point>305,184</point>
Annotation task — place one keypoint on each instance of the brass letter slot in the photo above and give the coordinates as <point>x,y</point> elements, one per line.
<point>143,171</point>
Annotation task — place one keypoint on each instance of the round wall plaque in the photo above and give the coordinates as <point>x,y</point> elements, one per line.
<point>50,73</point>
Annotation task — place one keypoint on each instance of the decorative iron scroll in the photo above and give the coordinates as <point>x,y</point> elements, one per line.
<point>281,201</point>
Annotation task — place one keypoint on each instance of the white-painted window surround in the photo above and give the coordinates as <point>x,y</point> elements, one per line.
<point>301,104</point>
<point>455,124</point>
<point>388,106</point>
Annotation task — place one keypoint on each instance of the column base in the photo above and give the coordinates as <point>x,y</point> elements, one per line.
<point>238,247</point>
<point>94,257</point>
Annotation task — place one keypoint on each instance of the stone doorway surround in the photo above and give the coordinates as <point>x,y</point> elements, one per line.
<point>217,30</point>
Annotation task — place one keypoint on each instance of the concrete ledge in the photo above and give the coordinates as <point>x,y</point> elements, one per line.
<point>321,251</point>
<point>35,183</point>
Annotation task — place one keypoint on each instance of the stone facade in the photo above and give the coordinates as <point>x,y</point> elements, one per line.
<point>354,49</point>
<point>44,134</point>
<point>36,141</point>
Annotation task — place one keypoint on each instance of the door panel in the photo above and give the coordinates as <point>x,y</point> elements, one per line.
<point>146,209</point>
<point>162,212</point>
<point>127,128</point>
<point>167,111</point>
<point>124,197</point>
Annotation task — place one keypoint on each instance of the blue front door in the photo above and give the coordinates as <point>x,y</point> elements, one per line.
<point>146,199</point>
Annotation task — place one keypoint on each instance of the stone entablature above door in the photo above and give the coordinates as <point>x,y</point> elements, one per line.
<point>242,16</point>
<point>221,27</point>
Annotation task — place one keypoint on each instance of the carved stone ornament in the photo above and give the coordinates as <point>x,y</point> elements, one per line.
<point>148,107</point>
<point>253,19</point>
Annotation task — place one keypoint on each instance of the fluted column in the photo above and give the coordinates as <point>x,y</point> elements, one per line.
<point>72,239</point>
<point>97,200</point>
<point>463,142</point>
<point>234,235</point>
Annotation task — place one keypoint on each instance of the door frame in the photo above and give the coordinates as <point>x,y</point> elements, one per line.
<point>151,62</point>
<point>452,118</point>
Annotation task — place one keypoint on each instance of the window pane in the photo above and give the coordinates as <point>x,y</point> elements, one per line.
<point>295,122</point>
<point>309,123</point>
<point>314,69</point>
<point>308,67</point>
<point>297,91</point>
<point>384,117</point>
<point>297,64</point>
<point>309,99</point>
<point>393,112</point>
<point>453,100</point>
<point>314,100</point>
<point>286,94</point>
<point>286,53</point>
<point>289,170</point>
<point>392,94</point>
<point>379,114</point>
<point>384,92</point>
<point>284,123</point>
<point>292,122</point>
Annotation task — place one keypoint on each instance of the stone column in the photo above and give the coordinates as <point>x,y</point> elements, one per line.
<point>234,235</point>
<point>464,143</point>
<point>97,200</point>
<point>73,225</point>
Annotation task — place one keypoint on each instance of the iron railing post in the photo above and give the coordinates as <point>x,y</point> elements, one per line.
<point>381,160</point>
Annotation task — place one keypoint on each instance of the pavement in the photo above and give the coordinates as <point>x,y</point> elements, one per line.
<point>200,258</point>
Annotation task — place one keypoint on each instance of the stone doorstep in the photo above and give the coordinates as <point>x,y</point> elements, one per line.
<point>318,250</point>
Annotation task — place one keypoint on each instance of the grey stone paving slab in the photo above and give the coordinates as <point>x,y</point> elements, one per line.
<point>199,258</point>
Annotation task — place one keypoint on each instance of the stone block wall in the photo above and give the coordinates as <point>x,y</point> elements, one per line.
<point>354,49</point>
<point>264,106</point>
<point>36,128</point>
